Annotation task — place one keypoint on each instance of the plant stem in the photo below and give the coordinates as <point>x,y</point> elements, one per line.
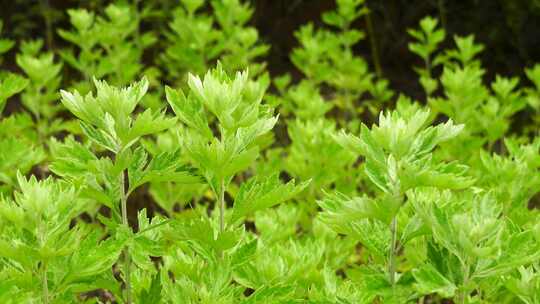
<point>392,255</point>
<point>442,13</point>
<point>463,293</point>
<point>392,263</point>
<point>44,282</point>
<point>46,11</point>
<point>428,70</point>
<point>221,206</point>
<point>42,232</point>
<point>126,255</point>
<point>373,43</point>
<point>137,30</point>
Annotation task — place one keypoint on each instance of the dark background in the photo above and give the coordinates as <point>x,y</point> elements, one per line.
<point>510,30</point>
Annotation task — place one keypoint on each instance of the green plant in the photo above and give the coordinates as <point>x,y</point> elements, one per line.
<point>198,39</point>
<point>532,94</point>
<point>241,121</point>
<point>468,100</point>
<point>41,95</point>
<point>16,131</point>
<point>109,47</point>
<point>10,83</point>
<point>326,57</point>
<point>123,191</point>
<point>44,259</point>
<point>428,39</point>
<point>106,119</point>
<point>474,241</point>
<point>18,149</point>
<point>399,158</point>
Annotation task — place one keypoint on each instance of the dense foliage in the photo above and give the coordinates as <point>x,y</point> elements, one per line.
<point>200,178</point>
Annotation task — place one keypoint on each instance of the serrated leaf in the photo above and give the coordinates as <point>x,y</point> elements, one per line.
<point>263,192</point>
<point>190,111</point>
<point>153,294</point>
<point>94,256</point>
<point>9,86</point>
<point>99,137</point>
<point>429,280</point>
<point>164,167</point>
<point>244,254</point>
<point>269,294</point>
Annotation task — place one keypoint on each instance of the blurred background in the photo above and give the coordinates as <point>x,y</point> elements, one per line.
<point>510,30</point>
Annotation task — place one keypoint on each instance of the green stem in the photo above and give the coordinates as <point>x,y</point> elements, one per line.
<point>392,255</point>
<point>221,206</point>
<point>428,70</point>
<point>137,33</point>
<point>126,255</point>
<point>44,283</point>
<point>373,43</point>
<point>43,268</point>
<point>46,10</point>
<point>442,13</point>
<point>463,293</point>
<point>392,263</point>
<point>428,66</point>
